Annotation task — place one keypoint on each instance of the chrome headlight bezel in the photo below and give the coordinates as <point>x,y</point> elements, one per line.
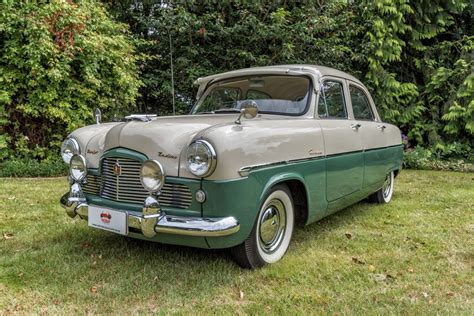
<point>152,176</point>
<point>69,148</point>
<point>78,168</point>
<point>208,167</point>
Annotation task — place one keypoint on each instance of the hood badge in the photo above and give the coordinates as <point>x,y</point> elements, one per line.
<point>92,151</point>
<point>164,155</point>
<point>117,169</point>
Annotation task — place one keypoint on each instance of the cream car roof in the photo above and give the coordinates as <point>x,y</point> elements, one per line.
<point>301,68</point>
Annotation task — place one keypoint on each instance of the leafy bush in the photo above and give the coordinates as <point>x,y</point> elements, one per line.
<point>421,158</point>
<point>33,168</point>
<point>58,61</point>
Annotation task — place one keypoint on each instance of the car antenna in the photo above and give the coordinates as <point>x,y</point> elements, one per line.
<point>172,72</point>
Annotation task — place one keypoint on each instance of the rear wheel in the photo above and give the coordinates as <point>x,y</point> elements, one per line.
<point>271,233</point>
<point>384,194</point>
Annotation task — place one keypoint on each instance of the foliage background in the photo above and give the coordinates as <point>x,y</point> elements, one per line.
<point>414,56</point>
<point>59,61</point>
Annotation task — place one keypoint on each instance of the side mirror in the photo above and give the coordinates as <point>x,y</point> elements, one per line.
<point>98,116</point>
<point>248,110</point>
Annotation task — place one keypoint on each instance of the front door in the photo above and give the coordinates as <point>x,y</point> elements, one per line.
<point>343,147</point>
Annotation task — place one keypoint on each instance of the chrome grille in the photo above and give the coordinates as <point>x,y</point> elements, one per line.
<point>92,186</point>
<point>127,186</point>
<point>175,195</point>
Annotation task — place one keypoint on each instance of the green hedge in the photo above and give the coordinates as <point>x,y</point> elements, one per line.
<point>424,159</point>
<point>33,168</point>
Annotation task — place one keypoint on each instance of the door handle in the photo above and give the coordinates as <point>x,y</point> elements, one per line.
<point>381,127</point>
<point>355,126</point>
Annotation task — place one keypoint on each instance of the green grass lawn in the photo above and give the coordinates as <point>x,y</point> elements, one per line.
<point>412,256</point>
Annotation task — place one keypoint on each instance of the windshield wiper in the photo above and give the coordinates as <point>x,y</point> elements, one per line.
<point>221,111</point>
<point>227,111</point>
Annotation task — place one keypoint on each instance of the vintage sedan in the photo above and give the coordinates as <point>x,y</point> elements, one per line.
<point>262,150</point>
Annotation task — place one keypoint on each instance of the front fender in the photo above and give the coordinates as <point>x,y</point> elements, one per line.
<point>242,197</point>
<point>278,178</point>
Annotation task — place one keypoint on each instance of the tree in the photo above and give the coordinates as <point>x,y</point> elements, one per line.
<point>215,36</point>
<point>414,56</point>
<point>420,66</point>
<point>59,61</point>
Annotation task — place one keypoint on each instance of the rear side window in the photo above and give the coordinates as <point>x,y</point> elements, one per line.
<point>360,104</point>
<point>331,100</point>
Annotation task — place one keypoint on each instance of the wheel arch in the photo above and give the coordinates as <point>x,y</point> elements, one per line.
<point>396,172</point>
<point>299,193</point>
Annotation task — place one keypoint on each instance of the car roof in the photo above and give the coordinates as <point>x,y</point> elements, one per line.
<point>314,69</point>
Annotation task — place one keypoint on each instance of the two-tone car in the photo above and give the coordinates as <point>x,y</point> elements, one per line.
<point>262,150</point>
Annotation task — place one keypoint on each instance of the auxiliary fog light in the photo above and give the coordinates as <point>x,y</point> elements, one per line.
<point>77,168</point>
<point>152,176</point>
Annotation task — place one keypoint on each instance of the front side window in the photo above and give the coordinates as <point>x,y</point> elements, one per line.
<point>273,94</point>
<point>360,104</point>
<point>331,100</point>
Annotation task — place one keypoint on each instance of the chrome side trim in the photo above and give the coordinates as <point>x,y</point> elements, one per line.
<point>244,171</point>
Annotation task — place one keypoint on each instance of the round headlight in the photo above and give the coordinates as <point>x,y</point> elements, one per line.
<point>69,148</point>
<point>152,175</point>
<point>201,158</point>
<point>77,167</point>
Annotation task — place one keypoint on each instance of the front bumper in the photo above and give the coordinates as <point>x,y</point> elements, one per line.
<point>153,220</point>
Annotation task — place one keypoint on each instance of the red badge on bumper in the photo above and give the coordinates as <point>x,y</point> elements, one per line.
<point>105,217</point>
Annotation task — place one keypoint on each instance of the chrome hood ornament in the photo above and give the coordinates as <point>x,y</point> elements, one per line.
<point>98,116</point>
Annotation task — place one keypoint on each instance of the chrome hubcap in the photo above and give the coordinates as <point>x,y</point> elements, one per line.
<point>387,185</point>
<point>272,226</point>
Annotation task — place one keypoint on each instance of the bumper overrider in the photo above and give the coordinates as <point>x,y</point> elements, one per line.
<point>153,219</point>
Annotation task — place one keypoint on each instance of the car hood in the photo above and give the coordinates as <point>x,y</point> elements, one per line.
<point>163,138</point>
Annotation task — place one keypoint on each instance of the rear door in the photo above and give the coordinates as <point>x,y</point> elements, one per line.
<point>343,147</point>
<point>372,132</point>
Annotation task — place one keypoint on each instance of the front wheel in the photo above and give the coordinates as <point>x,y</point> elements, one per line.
<point>384,194</point>
<point>271,233</point>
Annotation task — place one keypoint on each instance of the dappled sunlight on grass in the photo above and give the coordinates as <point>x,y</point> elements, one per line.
<point>413,255</point>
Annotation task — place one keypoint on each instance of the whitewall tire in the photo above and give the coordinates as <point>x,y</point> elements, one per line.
<point>384,194</point>
<point>271,235</point>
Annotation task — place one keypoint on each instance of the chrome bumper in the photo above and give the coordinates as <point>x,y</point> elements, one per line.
<point>153,220</point>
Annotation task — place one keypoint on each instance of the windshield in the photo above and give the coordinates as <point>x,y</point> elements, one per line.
<point>287,95</point>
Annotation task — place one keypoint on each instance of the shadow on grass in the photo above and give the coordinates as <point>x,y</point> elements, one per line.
<point>83,239</point>
<point>69,259</point>
<point>336,220</point>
